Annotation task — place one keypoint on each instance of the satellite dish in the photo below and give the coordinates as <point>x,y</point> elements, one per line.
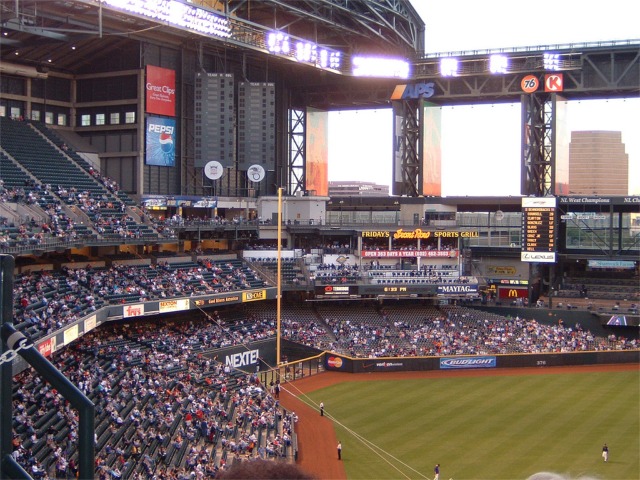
<point>499,215</point>
<point>256,173</point>
<point>213,170</point>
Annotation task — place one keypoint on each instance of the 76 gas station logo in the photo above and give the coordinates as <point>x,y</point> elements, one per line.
<point>553,82</point>
<point>529,84</point>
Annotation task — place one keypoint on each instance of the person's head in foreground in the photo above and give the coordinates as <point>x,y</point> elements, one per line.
<point>263,470</point>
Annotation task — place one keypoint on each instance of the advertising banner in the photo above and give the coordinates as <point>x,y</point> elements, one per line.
<point>133,310</point>
<point>248,357</point>
<point>345,364</point>
<point>467,362</point>
<point>90,323</point>
<point>47,347</point>
<point>512,292</point>
<point>317,168</point>
<point>254,296</point>
<point>460,289</point>
<point>409,253</point>
<point>161,91</point>
<point>70,334</point>
<point>160,138</point>
<point>336,290</point>
<point>339,363</point>
<point>234,297</point>
<point>431,149</point>
<point>173,305</point>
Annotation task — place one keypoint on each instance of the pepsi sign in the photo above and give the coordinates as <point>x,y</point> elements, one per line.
<point>161,139</point>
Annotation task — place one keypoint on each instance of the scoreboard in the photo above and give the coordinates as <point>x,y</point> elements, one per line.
<point>538,229</point>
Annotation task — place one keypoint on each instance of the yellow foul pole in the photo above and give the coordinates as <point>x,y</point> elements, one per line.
<point>279,284</point>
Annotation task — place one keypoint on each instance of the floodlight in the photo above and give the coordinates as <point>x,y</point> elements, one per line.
<point>498,64</point>
<point>380,67</point>
<point>449,67</point>
<point>551,61</point>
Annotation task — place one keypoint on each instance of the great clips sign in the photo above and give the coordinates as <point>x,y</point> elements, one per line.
<point>161,91</point>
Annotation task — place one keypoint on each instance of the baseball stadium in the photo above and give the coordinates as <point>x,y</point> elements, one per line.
<point>185,295</point>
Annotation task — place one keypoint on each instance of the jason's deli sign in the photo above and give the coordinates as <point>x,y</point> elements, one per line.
<point>465,362</point>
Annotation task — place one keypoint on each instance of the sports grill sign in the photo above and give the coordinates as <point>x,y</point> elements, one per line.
<point>467,362</point>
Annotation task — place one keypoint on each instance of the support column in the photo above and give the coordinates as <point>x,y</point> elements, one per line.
<point>538,140</point>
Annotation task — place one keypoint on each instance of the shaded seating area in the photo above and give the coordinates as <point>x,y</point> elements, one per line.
<point>70,178</point>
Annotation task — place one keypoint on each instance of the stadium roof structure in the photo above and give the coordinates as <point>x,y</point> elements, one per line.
<point>40,32</point>
<point>258,41</point>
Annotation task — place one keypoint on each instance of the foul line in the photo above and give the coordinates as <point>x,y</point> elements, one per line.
<point>370,445</point>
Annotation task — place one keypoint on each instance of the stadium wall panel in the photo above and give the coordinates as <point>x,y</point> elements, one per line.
<point>341,363</point>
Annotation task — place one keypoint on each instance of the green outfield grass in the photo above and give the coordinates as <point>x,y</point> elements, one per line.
<point>498,427</point>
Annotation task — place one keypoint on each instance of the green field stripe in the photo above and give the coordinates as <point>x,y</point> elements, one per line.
<point>500,427</point>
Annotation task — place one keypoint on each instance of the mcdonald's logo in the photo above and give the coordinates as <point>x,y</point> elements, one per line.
<point>513,293</point>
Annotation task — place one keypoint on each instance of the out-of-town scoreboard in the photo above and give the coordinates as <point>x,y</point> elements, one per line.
<point>538,229</point>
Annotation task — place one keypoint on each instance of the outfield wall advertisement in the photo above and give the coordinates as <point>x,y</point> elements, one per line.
<point>342,363</point>
<point>467,362</point>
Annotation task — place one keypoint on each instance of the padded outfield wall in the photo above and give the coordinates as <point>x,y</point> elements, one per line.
<point>298,361</point>
<point>341,363</point>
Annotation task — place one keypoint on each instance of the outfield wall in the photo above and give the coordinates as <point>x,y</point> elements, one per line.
<point>341,363</point>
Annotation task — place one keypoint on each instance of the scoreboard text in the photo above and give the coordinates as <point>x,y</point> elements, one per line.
<point>538,230</point>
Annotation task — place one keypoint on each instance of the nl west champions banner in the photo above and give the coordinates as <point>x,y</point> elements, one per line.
<point>161,138</point>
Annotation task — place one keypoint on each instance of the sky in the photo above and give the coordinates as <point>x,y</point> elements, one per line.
<point>360,142</point>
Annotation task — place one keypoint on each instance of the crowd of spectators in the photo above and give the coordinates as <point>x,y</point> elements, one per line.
<point>109,183</point>
<point>337,248</point>
<point>31,231</point>
<point>336,273</point>
<point>177,220</point>
<point>166,408</point>
<point>264,245</point>
<point>460,331</point>
<point>45,301</point>
<point>162,409</point>
<point>31,196</point>
<point>103,206</point>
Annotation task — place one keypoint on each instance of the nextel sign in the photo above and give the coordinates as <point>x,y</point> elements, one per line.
<point>242,359</point>
<point>418,90</point>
